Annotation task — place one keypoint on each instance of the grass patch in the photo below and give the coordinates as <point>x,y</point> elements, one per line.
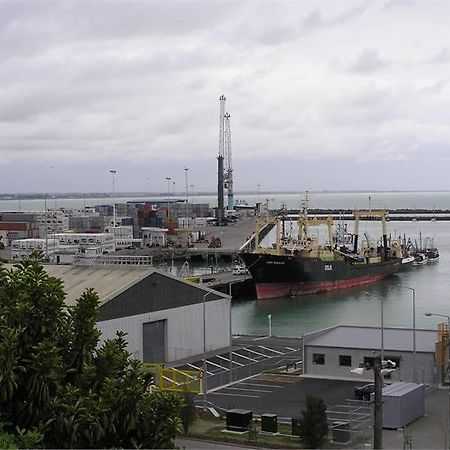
<point>212,429</point>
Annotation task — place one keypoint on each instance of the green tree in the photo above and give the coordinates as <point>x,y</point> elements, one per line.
<point>188,412</point>
<point>313,422</point>
<point>58,386</point>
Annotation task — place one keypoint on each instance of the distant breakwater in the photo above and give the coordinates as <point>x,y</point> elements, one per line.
<point>396,214</point>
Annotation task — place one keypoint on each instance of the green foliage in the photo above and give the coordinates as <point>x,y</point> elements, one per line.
<point>58,387</point>
<point>313,422</point>
<point>188,411</point>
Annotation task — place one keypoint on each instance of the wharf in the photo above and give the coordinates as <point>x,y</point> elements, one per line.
<point>237,286</point>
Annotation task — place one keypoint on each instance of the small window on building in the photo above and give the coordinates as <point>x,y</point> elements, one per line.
<point>345,360</point>
<point>319,358</point>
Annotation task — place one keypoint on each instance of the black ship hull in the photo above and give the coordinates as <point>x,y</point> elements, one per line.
<point>283,276</point>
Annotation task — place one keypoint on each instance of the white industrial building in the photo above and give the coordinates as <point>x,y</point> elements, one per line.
<point>23,248</point>
<point>153,236</point>
<point>333,352</point>
<point>90,243</point>
<point>52,221</point>
<point>161,314</point>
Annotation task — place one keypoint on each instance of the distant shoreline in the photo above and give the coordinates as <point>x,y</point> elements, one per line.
<point>109,195</point>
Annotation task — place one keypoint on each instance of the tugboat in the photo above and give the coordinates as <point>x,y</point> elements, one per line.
<point>299,266</point>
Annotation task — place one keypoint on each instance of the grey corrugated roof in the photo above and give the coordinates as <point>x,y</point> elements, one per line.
<point>107,282</point>
<point>369,338</point>
<point>400,389</point>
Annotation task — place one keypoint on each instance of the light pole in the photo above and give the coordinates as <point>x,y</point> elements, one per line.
<point>231,334</point>
<point>205,372</point>
<point>113,173</point>
<point>429,314</point>
<point>168,196</point>
<point>414,327</point>
<point>186,170</point>
<point>269,317</point>
<point>382,322</point>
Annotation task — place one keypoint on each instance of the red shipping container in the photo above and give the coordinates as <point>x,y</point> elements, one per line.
<point>13,226</point>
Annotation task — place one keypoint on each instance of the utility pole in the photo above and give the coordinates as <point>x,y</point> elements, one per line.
<point>378,404</point>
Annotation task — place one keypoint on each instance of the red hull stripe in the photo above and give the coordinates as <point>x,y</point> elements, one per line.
<point>274,290</point>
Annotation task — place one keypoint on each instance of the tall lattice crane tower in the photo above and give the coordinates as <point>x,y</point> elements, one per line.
<point>228,175</point>
<point>220,213</point>
<point>224,164</point>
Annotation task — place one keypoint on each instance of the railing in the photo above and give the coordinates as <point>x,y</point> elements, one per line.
<point>125,261</point>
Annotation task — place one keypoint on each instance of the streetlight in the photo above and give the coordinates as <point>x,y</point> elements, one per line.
<point>269,316</point>
<point>205,372</point>
<point>382,321</point>
<point>186,175</point>
<point>113,172</point>
<point>414,326</point>
<point>231,333</point>
<point>168,196</point>
<point>429,314</point>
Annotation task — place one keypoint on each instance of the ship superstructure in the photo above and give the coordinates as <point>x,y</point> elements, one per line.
<point>302,265</point>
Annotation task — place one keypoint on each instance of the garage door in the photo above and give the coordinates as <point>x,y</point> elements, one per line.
<point>154,341</point>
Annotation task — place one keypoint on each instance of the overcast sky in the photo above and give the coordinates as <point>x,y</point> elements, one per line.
<point>328,95</point>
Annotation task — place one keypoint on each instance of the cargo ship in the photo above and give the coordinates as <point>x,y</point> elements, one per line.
<point>301,265</point>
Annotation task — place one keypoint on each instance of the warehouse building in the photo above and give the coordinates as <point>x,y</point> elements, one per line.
<point>161,314</point>
<point>333,352</point>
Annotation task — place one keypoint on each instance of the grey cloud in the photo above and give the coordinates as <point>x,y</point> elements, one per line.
<point>436,87</point>
<point>442,57</point>
<point>368,61</point>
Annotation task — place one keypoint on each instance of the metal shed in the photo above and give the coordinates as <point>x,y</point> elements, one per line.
<point>402,404</point>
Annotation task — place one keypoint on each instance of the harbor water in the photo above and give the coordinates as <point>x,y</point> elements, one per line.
<point>362,305</point>
<point>353,306</point>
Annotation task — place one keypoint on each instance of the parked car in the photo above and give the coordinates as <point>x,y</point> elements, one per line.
<point>240,270</point>
<point>363,391</point>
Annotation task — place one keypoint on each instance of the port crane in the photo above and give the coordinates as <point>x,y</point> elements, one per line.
<point>224,164</point>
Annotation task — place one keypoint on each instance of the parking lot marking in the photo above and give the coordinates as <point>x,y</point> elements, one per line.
<point>243,389</point>
<point>243,356</point>
<point>208,361</point>
<point>256,353</point>
<point>194,367</point>
<point>261,338</point>
<point>234,395</point>
<point>264,385</point>
<point>234,362</point>
<point>292,349</point>
<point>270,349</point>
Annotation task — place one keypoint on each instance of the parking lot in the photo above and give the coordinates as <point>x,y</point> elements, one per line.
<point>280,394</point>
<point>249,356</point>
